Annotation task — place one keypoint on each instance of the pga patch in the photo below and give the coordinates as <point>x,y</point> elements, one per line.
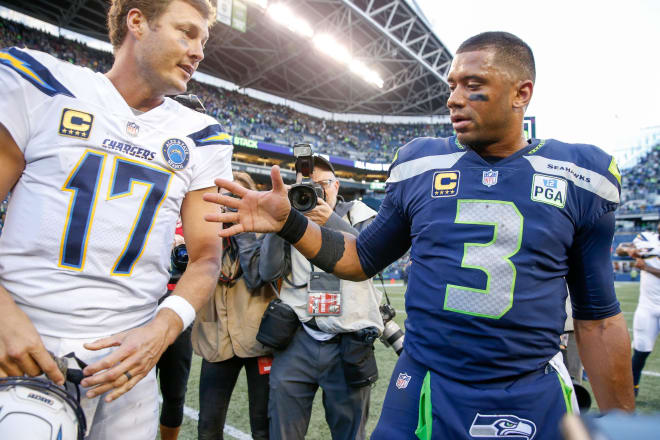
<point>176,153</point>
<point>402,381</point>
<point>445,183</point>
<point>549,189</point>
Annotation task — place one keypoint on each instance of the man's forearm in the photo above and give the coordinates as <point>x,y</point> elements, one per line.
<point>651,270</point>
<point>604,347</point>
<point>337,223</point>
<point>345,264</point>
<point>196,286</point>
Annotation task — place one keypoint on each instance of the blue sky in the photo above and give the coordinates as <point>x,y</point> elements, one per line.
<point>597,62</point>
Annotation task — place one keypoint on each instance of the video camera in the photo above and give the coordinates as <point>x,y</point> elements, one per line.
<point>303,196</point>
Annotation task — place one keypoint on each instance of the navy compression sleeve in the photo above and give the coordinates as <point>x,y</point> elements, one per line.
<point>385,240</point>
<point>590,277</point>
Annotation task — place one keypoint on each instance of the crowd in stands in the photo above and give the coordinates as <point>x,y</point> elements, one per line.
<point>640,191</point>
<point>248,117</point>
<point>244,116</point>
<point>15,34</point>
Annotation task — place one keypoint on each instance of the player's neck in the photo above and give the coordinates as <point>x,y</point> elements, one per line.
<point>502,148</point>
<point>137,91</point>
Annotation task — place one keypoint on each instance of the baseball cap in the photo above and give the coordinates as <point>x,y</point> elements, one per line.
<point>318,159</point>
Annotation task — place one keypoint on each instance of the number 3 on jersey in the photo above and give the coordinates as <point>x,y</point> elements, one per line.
<point>83,183</point>
<point>492,258</point>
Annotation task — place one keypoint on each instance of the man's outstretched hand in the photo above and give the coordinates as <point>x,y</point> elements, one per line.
<point>256,211</point>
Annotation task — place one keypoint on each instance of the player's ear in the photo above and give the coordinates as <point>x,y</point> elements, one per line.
<point>523,94</point>
<point>136,23</point>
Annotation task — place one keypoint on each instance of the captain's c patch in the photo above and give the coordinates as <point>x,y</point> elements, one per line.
<point>445,183</point>
<point>75,123</point>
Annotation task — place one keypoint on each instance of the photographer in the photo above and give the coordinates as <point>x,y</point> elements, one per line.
<point>224,335</point>
<point>333,348</point>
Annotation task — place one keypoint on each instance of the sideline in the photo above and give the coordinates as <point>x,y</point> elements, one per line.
<point>229,430</point>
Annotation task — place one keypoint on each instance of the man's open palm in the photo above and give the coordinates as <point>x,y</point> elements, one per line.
<point>256,211</point>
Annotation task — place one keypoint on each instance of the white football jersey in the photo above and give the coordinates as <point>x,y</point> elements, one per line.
<point>90,224</point>
<point>648,243</point>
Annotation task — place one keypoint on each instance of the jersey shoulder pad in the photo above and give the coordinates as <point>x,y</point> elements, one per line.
<point>212,133</point>
<point>424,154</point>
<point>43,71</point>
<point>201,128</point>
<point>586,166</point>
<point>424,146</point>
<point>584,155</point>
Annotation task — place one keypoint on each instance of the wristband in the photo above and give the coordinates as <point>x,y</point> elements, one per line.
<point>181,307</point>
<point>294,227</point>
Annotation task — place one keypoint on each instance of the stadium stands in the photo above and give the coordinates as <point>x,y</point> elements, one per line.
<point>371,142</point>
<point>640,191</point>
<point>247,117</point>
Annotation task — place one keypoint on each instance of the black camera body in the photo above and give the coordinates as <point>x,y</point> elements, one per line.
<point>303,196</point>
<point>179,258</point>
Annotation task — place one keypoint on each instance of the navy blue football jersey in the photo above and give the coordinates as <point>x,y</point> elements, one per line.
<point>495,245</point>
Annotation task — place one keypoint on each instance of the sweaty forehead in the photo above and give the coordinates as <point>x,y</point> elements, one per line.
<point>481,63</point>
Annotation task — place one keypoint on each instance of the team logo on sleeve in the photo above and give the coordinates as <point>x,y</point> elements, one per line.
<point>489,178</point>
<point>75,123</point>
<point>502,426</point>
<point>402,381</point>
<point>445,183</point>
<point>549,189</point>
<point>176,153</point>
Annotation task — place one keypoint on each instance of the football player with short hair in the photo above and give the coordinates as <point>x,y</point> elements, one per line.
<point>100,166</point>
<point>645,249</point>
<point>499,226</point>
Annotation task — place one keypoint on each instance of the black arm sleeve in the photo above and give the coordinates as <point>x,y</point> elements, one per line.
<point>384,240</point>
<point>337,223</point>
<point>590,277</point>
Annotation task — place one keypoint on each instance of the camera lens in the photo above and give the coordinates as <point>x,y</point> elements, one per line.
<point>302,197</point>
<point>393,337</point>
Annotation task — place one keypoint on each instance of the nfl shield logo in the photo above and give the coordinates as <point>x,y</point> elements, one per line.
<point>402,381</point>
<point>489,178</point>
<point>132,128</point>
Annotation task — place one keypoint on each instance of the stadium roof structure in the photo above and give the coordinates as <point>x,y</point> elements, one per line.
<point>390,36</point>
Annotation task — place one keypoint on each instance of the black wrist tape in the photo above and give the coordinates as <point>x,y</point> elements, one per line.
<point>332,249</point>
<point>294,227</point>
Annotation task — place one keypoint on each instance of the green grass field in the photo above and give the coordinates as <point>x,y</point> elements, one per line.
<point>237,418</point>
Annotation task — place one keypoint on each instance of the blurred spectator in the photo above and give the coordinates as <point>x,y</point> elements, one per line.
<point>224,334</point>
<point>639,184</point>
<point>173,367</point>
